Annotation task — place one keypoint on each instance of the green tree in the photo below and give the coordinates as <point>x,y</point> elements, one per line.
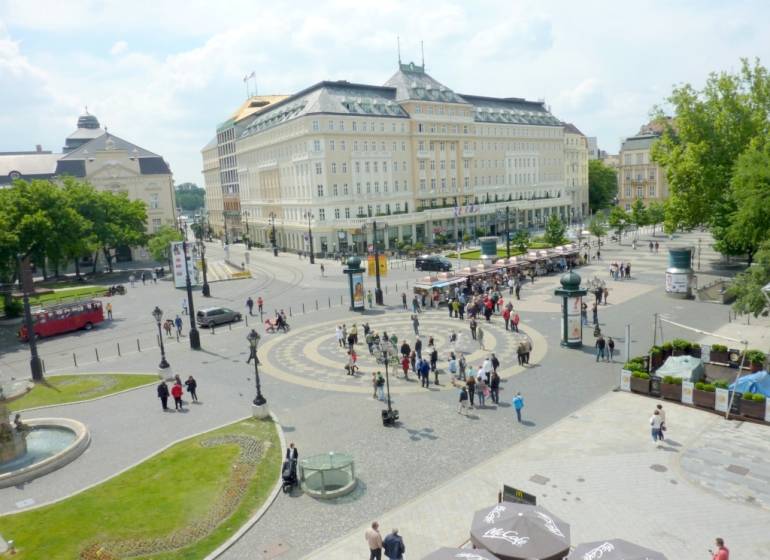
<point>602,185</point>
<point>120,222</point>
<point>656,213</point>
<point>639,215</point>
<point>597,229</point>
<point>618,220</point>
<point>189,197</point>
<point>159,242</point>
<point>711,128</point>
<point>520,240</point>
<point>554,231</point>
<point>747,286</point>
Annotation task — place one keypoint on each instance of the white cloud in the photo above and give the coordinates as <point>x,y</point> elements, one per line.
<point>119,48</point>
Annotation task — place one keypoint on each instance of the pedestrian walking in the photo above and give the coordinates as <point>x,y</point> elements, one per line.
<point>462,405</point>
<point>473,326</point>
<point>486,369</point>
<point>495,363</point>
<point>192,388</point>
<point>418,347</point>
<point>480,336</point>
<point>338,336</point>
<point>167,325</point>
<point>722,552</point>
<point>518,404</point>
<point>154,277</point>
<point>374,385</point>
<point>163,395</point>
<point>433,364</point>
<point>374,540</point>
<point>584,313</point>
<point>405,366</point>
<point>655,423</point>
<point>471,384</point>
<point>380,386</point>
<point>393,545</point>
<point>323,271</point>
<point>415,324</point>
<point>259,305</point>
<point>610,349</point>
<point>144,278</point>
<point>424,371</point>
<point>403,300</point>
<point>663,426</point>
<point>176,392</point>
<point>600,345</point>
<point>132,279</point>
<point>250,305</point>
<point>517,289</point>
<point>178,325</point>
<point>520,353</point>
<point>494,388</point>
<point>606,293</point>
<point>595,313</point>
<point>515,322</point>
<point>482,390</point>
<point>527,350</point>
<point>506,318</point>
<point>369,298</point>
<point>109,311</point>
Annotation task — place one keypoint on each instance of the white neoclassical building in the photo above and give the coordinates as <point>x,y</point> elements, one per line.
<point>414,156</point>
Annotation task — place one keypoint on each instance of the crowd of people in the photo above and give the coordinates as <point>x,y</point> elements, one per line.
<point>176,392</point>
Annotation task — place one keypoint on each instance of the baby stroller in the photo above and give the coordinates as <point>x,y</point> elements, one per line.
<point>289,475</point>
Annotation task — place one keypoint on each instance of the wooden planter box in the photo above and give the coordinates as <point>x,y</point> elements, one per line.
<point>719,357</point>
<point>671,391</point>
<point>678,352</point>
<point>753,409</point>
<point>704,399</point>
<point>696,352</point>
<point>657,361</point>
<point>639,385</point>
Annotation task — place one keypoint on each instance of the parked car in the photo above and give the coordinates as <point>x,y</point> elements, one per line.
<point>433,262</point>
<point>211,316</point>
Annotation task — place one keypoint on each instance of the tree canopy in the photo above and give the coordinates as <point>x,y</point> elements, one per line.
<point>159,243</point>
<point>597,229</point>
<point>747,286</point>
<point>602,185</point>
<point>639,215</point>
<point>554,231</point>
<point>520,240</point>
<point>190,197</point>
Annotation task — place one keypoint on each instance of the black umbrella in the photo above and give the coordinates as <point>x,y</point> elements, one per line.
<point>460,554</point>
<point>513,531</point>
<point>613,549</point>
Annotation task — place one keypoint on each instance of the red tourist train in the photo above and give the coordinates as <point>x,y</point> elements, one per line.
<point>64,317</point>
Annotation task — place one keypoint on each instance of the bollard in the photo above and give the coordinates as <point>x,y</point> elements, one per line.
<point>247,320</point>
<point>42,362</point>
<point>118,344</point>
<point>96,351</point>
<point>330,302</point>
<point>75,359</point>
<point>290,315</point>
<point>229,326</point>
<point>138,347</point>
<point>213,329</point>
<point>303,308</point>
<point>316,305</point>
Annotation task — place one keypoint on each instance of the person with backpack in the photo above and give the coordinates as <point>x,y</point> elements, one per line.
<point>462,405</point>
<point>424,370</point>
<point>192,387</point>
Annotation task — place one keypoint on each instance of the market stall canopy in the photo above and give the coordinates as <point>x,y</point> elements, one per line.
<point>513,531</point>
<point>613,549</point>
<point>460,554</point>
<point>686,367</point>
<point>758,382</point>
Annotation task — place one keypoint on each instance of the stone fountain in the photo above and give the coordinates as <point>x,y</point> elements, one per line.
<point>13,442</point>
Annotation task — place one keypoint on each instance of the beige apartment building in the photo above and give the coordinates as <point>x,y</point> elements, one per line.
<point>413,156</point>
<point>638,176</point>
<point>577,152</point>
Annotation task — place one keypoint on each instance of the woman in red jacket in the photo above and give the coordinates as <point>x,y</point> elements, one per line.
<point>176,392</point>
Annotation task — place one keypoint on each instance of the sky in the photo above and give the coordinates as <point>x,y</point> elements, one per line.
<point>163,73</point>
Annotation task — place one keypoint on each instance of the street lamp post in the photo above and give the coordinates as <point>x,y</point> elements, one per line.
<point>378,290</point>
<point>253,338</point>
<point>389,416</point>
<point>507,232</point>
<point>309,216</point>
<point>273,239</point>
<point>157,313</point>
<point>202,247</point>
<point>25,283</point>
<point>195,340</point>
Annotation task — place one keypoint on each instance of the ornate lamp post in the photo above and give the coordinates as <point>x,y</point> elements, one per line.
<point>259,401</point>
<point>157,313</point>
<point>195,340</point>
<point>202,247</point>
<point>25,283</point>
<point>273,239</point>
<point>378,289</point>
<point>389,416</point>
<point>309,216</point>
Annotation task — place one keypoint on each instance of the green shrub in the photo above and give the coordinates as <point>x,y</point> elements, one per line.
<point>681,344</point>
<point>671,380</point>
<point>656,350</point>
<point>718,348</point>
<point>14,309</point>
<point>640,374</point>
<point>721,384</point>
<point>708,387</point>
<point>759,397</point>
<point>667,346</point>
<point>755,357</point>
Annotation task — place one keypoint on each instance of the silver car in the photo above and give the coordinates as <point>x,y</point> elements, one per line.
<point>211,316</point>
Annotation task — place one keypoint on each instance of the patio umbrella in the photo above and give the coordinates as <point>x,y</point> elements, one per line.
<point>460,554</point>
<point>513,531</point>
<point>613,549</point>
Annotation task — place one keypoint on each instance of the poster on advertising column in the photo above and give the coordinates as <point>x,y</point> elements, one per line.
<point>178,264</point>
<point>358,291</point>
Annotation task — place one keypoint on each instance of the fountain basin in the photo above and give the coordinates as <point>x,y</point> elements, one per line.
<point>51,444</point>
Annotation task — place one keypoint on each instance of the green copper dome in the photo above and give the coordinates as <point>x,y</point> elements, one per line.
<point>570,281</point>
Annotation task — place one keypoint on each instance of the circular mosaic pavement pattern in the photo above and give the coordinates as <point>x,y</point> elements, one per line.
<point>311,356</point>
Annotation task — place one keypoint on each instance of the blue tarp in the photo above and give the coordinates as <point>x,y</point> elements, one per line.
<point>758,382</point>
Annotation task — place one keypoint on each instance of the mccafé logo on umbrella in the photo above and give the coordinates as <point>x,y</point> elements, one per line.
<point>599,551</point>
<point>469,556</point>
<point>511,537</point>
<point>550,524</point>
<point>494,515</point>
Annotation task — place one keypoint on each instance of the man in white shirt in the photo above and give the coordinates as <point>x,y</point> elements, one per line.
<point>487,367</point>
<point>655,423</point>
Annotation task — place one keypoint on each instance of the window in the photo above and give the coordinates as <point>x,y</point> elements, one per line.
<point>376,186</point>
<point>403,144</point>
<point>345,189</point>
<point>433,184</point>
<point>336,213</point>
<point>433,165</point>
<point>422,184</point>
<point>358,188</point>
<point>374,165</point>
<point>377,209</point>
<point>395,186</point>
<point>366,167</point>
<point>466,164</point>
<point>394,144</point>
<point>358,167</point>
<point>156,224</point>
<point>442,146</point>
<point>384,186</point>
<point>443,184</point>
<point>342,125</point>
<point>384,166</point>
<point>320,190</point>
<point>466,181</point>
<point>318,168</point>
<point>420,128</point>
<point>421,145</point>
<point>454,183</point>
<point>316,145</point>
<point>316,126</point>
<point>395,166</point>
<point>363,127</point>
<point>360,210</point>
<point>322,214</point>
<point>154,202</point>
<point>398,207</point>
<point>354,126</point>
<point>331,144</point>
<point>430,146</point>
<point>347,212</point>
<point>628,191</point>
<point>342,144</point>
<point>368,187</point>
<point>452,164</point>
<point>442,165</point>
<point>382,146</point>
<point>334,167</point>
<point>652,191</point>
<point>344,167</point>
<point>331,125</point>
<point>334,190</point>
<point>422,165</point>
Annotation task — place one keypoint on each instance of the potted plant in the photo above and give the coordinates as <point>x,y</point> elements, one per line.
<point>640,382</point>
<point>656,357</point>
<point>667,348</point>
<point>719,354</point>
<point>753,405</point>
<point>671,388</point>
<point>695,350</point>
<point>755,359</point>
<point>680,346</point>
<point>703,395</point>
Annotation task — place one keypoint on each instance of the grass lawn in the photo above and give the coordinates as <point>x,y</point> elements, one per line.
<point>476,253</point>
<point>61,389</point>
<point>63,294</point>
<point>164,496</point>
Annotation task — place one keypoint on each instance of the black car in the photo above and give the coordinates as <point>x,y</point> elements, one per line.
<point>433,262</point>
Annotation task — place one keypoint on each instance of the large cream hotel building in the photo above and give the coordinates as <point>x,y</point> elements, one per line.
<point>412,155</point>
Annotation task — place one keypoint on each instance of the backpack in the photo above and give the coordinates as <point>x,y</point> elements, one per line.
<point>380,382</point>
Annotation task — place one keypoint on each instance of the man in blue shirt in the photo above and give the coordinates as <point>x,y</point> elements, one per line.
<point>518,404</point>
<point>394,546</point>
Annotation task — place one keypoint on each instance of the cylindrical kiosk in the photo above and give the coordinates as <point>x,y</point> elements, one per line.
<point>679,274</point>
<point>488,249</point>
<point>356,283</point>
<point>571,302</point>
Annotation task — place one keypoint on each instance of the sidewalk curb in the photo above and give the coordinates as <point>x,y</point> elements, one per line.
<point>225,546</point>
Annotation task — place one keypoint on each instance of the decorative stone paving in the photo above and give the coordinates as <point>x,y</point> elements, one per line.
<point>312,357</point>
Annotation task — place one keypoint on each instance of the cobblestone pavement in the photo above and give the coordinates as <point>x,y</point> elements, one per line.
<point>608,480</point>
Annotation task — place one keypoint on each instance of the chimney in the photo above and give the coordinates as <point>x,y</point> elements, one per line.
<point>38,148</point>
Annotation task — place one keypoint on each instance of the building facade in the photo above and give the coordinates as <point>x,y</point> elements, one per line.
<point>639,177</point>
<point>420,160</point>
<point>576,156</point>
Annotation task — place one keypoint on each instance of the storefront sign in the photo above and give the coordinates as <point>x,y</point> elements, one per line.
<point>722,396</point>
<point>625,380</point>
<point>687,388</point>
<point>358,291</point>
<point>511,494</point>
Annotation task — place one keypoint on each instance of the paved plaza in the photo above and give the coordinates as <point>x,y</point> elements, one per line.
<point>568,434</point>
